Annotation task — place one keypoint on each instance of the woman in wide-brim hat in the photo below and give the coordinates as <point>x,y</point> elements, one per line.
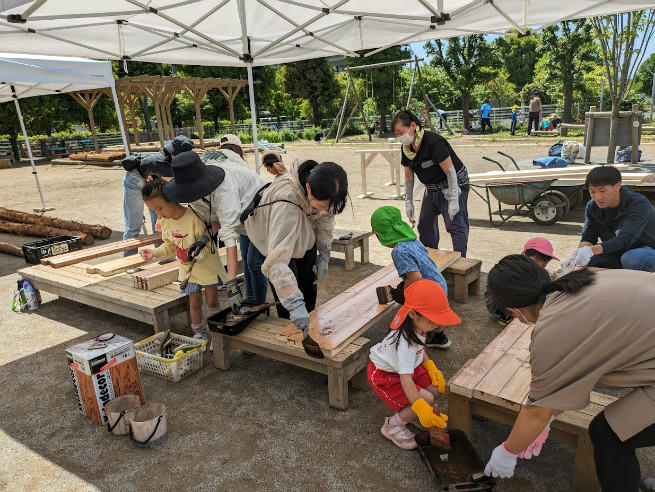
<point>219,194</point>
<point>292,222</point>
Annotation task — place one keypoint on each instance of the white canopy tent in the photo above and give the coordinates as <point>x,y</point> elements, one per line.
<point>267,32</point>
<point>27,75</point>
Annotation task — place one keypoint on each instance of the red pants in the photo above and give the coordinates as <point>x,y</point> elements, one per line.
<point>387,385</point>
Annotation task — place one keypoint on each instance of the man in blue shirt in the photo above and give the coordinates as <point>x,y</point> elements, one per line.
<point>485,113</point>
<point>624,221</point>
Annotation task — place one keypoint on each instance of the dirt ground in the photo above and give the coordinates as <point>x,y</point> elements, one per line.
<point>263,424</point>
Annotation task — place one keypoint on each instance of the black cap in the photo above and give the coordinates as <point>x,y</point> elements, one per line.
<point>179,144</point>
<point>192,179</point>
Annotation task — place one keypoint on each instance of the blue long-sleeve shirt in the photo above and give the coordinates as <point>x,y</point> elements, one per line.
<point>631,225</point>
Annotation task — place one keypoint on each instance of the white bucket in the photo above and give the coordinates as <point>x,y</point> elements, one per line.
<point>148,425</point>
<point>119,413</point>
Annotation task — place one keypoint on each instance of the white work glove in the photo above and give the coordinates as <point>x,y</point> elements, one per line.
<point>501,464</point>
<point>409,200</point>
<point>298,314</point>
<point>452,193</point>
<point>580,257</point>
<point>535,448</point>
<point>322,261</point>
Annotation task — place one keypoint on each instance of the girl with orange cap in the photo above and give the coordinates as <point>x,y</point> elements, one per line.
<point>400,371</point>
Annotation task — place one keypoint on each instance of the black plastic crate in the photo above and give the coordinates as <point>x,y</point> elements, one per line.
<point>52,246</point>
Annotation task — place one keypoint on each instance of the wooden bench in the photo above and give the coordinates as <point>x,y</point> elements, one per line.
<point>495,385</point>
<point>259,337</point>
<point>359,239</point>
<point>6,151</point>
<point>465,274</point>
<point>114,294</point>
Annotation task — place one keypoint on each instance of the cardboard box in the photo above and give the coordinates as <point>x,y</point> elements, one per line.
<point>117,376</point>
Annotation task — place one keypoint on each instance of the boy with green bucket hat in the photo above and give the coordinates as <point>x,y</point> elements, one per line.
<point>410,258</point>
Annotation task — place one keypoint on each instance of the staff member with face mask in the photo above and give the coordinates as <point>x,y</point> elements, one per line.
<point>430,157</point>
<point>590,329</point>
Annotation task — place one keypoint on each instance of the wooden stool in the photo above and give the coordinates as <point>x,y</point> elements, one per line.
<point>465,274</point>
<point>358,239</point>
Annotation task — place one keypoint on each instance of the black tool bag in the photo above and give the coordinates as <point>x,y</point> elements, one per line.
<point>250,209</point>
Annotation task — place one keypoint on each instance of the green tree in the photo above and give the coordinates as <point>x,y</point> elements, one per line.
<point>623,40</point>
<point>465,61</point>
<point>518,56</point>
<point>569,52</point>
<point>501,89</point>
<point>313,80</point>
<point>383,80</point>
<point>644,77</point>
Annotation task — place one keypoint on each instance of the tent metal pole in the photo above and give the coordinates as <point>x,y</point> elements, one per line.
<point>652,97</point>
<point>120,120</point>
<point>253,116</point>
<point>29,153</point>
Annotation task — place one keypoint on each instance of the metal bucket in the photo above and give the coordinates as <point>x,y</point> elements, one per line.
<point>119,413</point>
<point>148,425</point>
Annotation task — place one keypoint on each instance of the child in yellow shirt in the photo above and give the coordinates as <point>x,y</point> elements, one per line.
<point>180,228</point>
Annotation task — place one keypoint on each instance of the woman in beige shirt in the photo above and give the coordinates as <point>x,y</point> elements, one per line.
<point>292,222</point>
<point>591,329</point>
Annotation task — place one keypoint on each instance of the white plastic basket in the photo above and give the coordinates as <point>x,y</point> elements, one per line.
<point>148,359</point>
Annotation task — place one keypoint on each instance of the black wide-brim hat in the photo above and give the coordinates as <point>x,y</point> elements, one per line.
<point>192,179</point>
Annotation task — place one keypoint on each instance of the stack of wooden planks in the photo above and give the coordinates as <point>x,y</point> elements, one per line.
<point>576,173</point>
<point>98,251</point>
<point>28,224</point>
<point>157,276</point>
<point>345,317</point>
<point>114,267</point>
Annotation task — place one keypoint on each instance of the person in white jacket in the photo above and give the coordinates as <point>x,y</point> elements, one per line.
<point>291,225</point>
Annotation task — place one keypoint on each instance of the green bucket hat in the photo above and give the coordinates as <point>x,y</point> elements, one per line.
<point>391,228</point>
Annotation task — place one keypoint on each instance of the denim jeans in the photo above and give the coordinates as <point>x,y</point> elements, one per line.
<point>256,283</point>
<point>642,259</point>
<point>133,207</point>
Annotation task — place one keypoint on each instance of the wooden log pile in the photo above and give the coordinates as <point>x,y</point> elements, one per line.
<point>93,156</point>
<point>28,224</point>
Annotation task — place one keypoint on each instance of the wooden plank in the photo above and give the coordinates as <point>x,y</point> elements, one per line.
<point>286,332</point>
<point>119,265</point>
<point>157,276</point>
<point>104,250</point>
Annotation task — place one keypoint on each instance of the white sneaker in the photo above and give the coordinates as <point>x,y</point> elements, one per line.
<point>400,435</point>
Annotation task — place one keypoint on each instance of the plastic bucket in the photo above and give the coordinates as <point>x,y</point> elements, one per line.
<point>119,413</point>
<point>148,425</point>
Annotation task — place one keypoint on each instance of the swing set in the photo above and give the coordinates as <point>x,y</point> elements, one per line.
<point>412,103</point>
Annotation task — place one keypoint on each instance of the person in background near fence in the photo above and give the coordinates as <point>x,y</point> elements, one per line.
<point>272,161</point>
<point>555,121</point>
<point>514,120</point>
<point>400,371</point>
<point>443,117</point>
<point>289,222</point>
<point>218,194</point>
<point>430,157</point>
<point>411,259</point>
<point>181,228</point>
<point>485,114</point>
<point>590,329</point>
<point>624,221</point>
<point>539,250</point>
<point>535,112</point>
<point>135,179</point>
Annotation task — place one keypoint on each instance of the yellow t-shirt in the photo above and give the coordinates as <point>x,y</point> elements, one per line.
<point>178,236</point>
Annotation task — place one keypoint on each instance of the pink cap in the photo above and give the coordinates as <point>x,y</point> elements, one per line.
<point>540,244</point>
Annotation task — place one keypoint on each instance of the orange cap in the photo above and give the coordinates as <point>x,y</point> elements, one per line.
<point>429,299</point>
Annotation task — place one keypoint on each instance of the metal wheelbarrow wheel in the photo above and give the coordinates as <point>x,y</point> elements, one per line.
<point>546,209</point>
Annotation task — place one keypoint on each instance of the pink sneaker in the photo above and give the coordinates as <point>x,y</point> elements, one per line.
<point>400,435</point>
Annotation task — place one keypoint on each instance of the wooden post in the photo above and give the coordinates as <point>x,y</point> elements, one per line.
<point>361,108</point>
<point>88,100</point>
<point>459,411</point>
<point>589,135</point>
<point>425,97</point>
<point>231,95</point>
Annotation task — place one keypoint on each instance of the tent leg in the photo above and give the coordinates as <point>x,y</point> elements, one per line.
<point>29,153</point>
<point>120,120</point>
<point>253,117</point>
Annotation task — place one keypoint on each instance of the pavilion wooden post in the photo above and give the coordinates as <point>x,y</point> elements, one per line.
<point>197,89</point>
<point>122,102</point>
<point>88,100</point>
<point>132,98</point>
<point>231,95</point>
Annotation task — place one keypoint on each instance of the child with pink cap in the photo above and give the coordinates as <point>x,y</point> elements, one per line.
<point>538,249</point>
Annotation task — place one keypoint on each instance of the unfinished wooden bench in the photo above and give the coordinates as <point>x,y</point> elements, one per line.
<point>259,337</point>
<point>495,385</point>
<point>465,274</point>
<point>114,294</point>
<point>358,239</point>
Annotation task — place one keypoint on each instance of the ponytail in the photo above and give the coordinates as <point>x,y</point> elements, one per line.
<point>406,117</point>
<point>153,188</point>
<point>517,281</point>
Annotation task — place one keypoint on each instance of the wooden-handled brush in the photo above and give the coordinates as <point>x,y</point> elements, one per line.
<point>185,282</point>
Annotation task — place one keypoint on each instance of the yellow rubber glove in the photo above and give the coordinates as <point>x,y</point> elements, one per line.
<point>426,415</point>
<point>435,375</point>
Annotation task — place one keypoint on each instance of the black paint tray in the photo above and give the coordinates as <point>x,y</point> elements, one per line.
<point>462,458</point>
<point>219,324</point>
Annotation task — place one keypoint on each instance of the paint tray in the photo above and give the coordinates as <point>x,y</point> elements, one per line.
<point>220,324</point>
<point>463,460</point>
